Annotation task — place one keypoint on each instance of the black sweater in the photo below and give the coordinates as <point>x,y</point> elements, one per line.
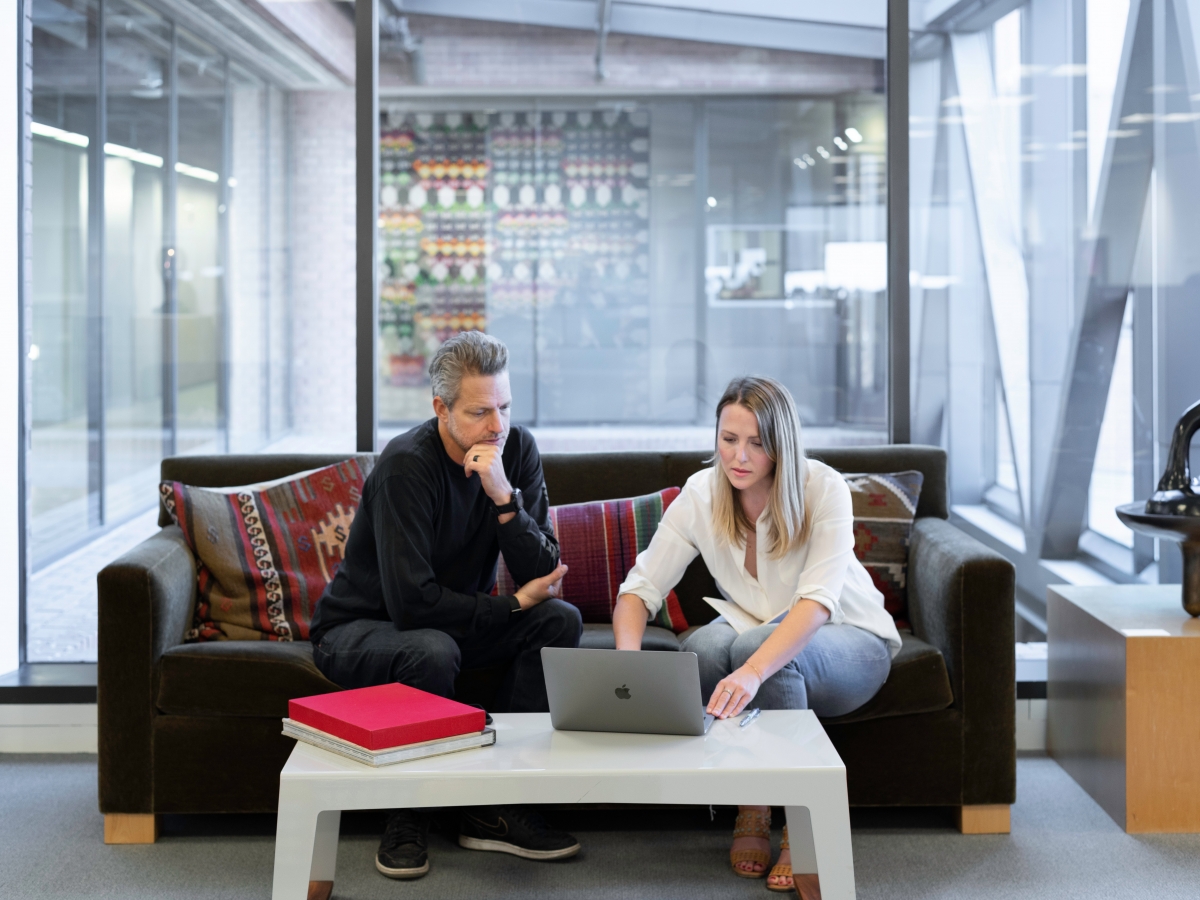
<point>423,547</point>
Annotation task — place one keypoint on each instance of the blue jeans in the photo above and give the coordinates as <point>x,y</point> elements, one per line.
<point>839,669</point>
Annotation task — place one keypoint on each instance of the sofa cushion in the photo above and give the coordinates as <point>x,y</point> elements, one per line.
<point>600,637</point>
<point>884,506</point>
<point>237,678</point>
<point>599,543</point>
<point>918,683</point>
<point>265,552</point>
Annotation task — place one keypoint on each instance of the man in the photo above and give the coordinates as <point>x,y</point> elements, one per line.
<point>411,601</point>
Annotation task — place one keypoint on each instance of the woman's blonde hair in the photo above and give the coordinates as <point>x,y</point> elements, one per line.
<point>779,431</point>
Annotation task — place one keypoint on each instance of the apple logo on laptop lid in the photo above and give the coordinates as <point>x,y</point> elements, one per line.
<point>622,693</point>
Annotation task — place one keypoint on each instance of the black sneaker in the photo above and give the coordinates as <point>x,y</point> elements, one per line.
<point>518,830</point>
<point>402,850</point>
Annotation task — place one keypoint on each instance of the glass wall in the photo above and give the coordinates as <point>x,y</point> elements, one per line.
<point>640,241</point>
<point>1054,152</point>
<point>161,312</point>
<point>137,284</point>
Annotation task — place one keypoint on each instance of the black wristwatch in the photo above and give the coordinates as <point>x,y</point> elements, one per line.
<point>516,504</point>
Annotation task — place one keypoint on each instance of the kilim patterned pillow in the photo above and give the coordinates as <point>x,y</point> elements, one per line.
<point>884,508</point>
<point>265,552</point>
<point>599,542</point>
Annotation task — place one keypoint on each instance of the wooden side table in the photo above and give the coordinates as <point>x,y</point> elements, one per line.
<point>1123,716</point>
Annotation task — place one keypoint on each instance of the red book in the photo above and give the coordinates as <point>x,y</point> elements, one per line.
<point>387,715</point>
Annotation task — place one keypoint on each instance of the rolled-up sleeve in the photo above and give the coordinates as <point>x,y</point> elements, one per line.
<point>830,549</point>
<point>659,567</point>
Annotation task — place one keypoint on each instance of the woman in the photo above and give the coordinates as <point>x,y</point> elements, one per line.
<point>776,532</point>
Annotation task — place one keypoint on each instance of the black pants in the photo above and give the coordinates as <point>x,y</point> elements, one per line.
<point>369,652</point>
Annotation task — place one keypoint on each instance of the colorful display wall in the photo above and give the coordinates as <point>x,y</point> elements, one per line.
<point>500,214</point>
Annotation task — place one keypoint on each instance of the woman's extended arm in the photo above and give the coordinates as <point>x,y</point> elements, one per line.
<point>629,621</point>
<point>655,572</point>
<point>785,643</point>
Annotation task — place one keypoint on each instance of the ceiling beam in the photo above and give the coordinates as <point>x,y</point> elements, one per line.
<point>673,21</point>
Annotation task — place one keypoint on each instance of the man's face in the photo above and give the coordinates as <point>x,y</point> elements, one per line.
<point>481,413</point>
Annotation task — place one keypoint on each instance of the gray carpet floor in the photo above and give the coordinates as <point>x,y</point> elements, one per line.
<point>1062,846</point>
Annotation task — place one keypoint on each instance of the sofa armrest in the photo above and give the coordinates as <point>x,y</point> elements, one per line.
<point>961,599</point>
<point>146,601</point>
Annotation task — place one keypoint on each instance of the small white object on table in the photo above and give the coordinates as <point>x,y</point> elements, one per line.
<point>783,759</point>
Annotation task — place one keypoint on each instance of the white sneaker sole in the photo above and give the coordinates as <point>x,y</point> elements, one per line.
<point>402,874</point>
<point>504,847</point>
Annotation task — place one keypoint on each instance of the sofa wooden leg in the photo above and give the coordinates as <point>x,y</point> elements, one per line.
<point>320,890</point>
<point>994,818</point>
<point>130,828</point>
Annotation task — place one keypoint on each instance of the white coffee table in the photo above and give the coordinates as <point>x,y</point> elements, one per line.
<point>782,759</point>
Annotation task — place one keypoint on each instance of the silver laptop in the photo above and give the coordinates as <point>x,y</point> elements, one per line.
<point>643,692</point>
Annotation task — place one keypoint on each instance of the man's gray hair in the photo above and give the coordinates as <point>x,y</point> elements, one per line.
<point>467,353</point>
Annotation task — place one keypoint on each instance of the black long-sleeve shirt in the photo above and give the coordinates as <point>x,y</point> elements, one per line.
<point>423,547</point>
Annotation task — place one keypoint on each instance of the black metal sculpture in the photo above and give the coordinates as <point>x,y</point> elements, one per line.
<point>1173,511</point>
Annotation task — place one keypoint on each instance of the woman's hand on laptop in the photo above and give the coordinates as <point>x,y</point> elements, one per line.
<point>531,593</point>
<point>733,692</point>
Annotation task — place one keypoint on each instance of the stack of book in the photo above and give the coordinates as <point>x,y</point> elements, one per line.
<point>387,724</point>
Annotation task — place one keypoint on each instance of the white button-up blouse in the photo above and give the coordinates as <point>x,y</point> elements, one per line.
<point>823,569</point>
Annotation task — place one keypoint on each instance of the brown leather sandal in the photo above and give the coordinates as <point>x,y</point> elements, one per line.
<point>751,824</point>
<point>781,870</point>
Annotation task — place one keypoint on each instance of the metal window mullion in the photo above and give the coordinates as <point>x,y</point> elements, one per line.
<point>225,195</point>
<point>898,388</point>
<point>288,307</point>
<point>700,167</point>
<point>366,128</point>
<point>265,281</point>
<point>537,304</point>
<point>94,341</point>
<point>24,318</point>
<point>170,259</point>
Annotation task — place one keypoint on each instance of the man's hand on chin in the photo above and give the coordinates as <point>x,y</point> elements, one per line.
<point>487,461</point>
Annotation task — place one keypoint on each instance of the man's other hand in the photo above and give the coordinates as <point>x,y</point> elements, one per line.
<point>534,592</point>
<point>487,461</point>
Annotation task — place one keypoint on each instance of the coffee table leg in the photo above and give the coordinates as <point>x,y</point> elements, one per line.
<point>325,848</point>
<point>295,840</point>
<point>820,842</point>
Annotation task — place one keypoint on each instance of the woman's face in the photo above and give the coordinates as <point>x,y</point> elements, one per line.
<point>743,458</point>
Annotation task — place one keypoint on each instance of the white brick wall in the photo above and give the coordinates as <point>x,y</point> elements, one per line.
<point>322,135</point>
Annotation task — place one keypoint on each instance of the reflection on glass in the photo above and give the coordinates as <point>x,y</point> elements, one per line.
<point>129,341</point>
<point>63,484</point>
<point>796,267</point>
<point>1112,476</point>
<point>1055,295</point>
<point>639,220</point>
<point>199,275</point>
<point>136,72</point>
<point>577,235</point>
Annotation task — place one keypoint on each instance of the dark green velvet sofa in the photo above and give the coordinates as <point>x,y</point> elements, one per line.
<point>191,728</point>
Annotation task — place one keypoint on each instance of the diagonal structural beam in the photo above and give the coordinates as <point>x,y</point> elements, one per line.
<point>1105,285</point>
<point>997,215</point>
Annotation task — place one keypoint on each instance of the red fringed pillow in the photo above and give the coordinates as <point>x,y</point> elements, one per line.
<point>265,552</point>
<point>884,508</point>
<point>599,543</point>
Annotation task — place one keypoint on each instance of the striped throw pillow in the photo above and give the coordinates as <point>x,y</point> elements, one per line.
<point>599,543</point>
<point>884,508</point>
<point>265,552</point>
